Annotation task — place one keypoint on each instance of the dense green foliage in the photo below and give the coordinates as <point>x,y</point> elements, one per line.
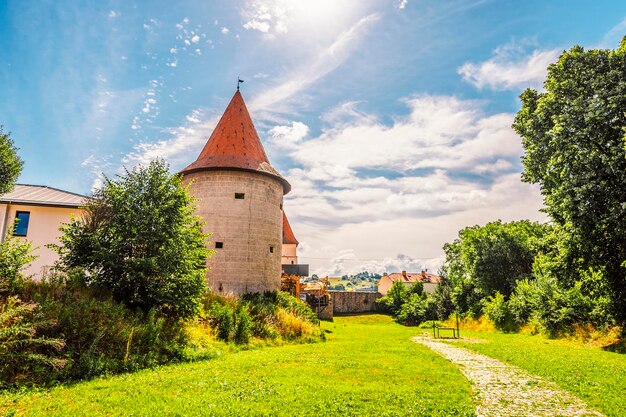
<point>273,316</point>
<point>10,163</point>
<point>15,254</point>
<point>596,376</point>
<point>487,259</point>
<point>141,242</point>
<point>368,367</point>
<point>95,335</point>
<point>25,355</point>
<point>412,306</point>
<point>574,140</point>
<point>508,272</point>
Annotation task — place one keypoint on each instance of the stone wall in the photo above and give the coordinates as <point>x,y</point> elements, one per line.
<point>348,302</point>
<point>250,228</point>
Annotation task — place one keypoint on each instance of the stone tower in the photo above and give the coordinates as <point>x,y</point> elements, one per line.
<point>240,198</point>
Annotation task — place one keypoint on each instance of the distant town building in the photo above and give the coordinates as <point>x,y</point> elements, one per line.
<point>240,199</point>
<point>430,281</point>
<point>35,212</point>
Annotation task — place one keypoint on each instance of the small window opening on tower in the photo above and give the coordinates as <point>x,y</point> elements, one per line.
<point>271,249</point>
<point>281,206</point>
<point>219,245</point>
<point>240,196</point>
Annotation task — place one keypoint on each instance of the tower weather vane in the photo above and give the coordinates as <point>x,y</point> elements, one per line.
<point>239,81</point>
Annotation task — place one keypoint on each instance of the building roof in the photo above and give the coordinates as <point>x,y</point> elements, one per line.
<point>288,236</point>
<point>235,144</point>
<point>41,195</point>
<point>410,278</point>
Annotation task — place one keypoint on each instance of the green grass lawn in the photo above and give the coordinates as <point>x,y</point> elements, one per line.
<point>368,366</point>
<point>596,376</point>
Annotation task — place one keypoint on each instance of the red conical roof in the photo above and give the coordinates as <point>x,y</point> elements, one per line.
<point>288,236</point>
<point>235,144</point>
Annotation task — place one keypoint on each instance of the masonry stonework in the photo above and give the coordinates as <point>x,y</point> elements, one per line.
<point>248,227</point>
<point>349,302</point>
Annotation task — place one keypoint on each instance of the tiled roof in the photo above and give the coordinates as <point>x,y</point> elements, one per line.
<point>235,144</point>
<point>43,196</point>
<point>288,236</point>
<point>412,277</point>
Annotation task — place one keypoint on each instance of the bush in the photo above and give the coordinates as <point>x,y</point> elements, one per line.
<point>103,336</point>
<point>523,301</point>
<point>497,310</point>
<point>413,311</point>
<point>393,301</point>
<point>243,325</point>
<point>223,320</point>
<point>141,242</point>
<point>26,356</point>
<point>15,254</point>
<point>273,315</point>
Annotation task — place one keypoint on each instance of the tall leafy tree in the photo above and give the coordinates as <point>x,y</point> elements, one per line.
<point>487,259</point>
<point>142,242</point>
<point>575,149</point>
<point>10,163</point>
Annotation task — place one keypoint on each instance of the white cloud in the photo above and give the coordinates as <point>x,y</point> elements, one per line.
<point>401,4</point>
<point>264,16</point>
<point>512,67</point>
<point>113,14</point>
<point>183,141</point>
<point>334,55</point>
<point>288,136</point>
<point>225,30</point>
<point>408,186</point>
<point>195,39</point>
<point>257,25</point>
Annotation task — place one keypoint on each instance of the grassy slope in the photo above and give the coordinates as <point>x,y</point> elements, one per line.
<point>596,376</point>
<point>368,366</point>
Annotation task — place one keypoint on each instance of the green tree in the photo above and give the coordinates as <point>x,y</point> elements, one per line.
<point>491,258</point>
<point>141,241</point>
<point>574,140</point>
<point>396,296</point>
<point>10,163</point>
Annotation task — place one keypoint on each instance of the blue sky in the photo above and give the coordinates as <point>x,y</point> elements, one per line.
<point>391,119</point>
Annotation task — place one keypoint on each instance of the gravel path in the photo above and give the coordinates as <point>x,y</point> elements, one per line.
<point>505,390</point>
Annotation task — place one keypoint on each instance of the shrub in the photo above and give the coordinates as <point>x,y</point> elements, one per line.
<point>25,355</point>
<point>223,320</point>
<point>413,311</point>
<point>103,336</point>
<point>273,315</point>
<point>497,309</point>
<point>15,254</point>
<point>243,325</point>
<point>141,241</point>
<point>523,301</point>
<point>392,302</point>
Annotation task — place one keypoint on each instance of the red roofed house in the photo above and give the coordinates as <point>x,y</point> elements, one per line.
<point>430,281</point>
<point>240,198</point>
